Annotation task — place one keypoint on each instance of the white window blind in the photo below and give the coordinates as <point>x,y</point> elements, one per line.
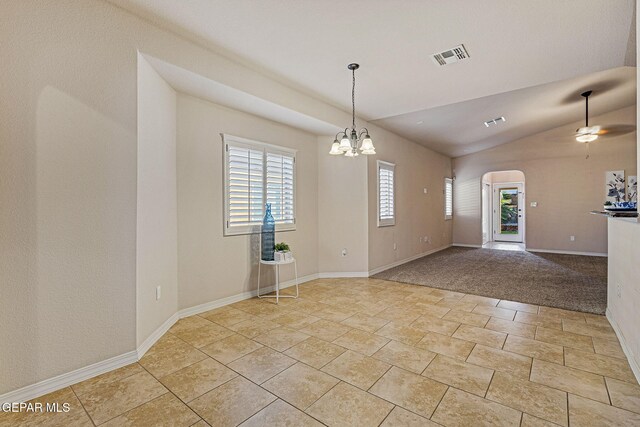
<point>255,174</point>
<point>386,194</point>
<point>448,198</point>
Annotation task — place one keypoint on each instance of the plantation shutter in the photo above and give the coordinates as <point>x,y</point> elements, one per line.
<point>279,177</point>
<point>256,173</point>
<point>386,194</point>
<point>245,186</point>
<point>448,198</point>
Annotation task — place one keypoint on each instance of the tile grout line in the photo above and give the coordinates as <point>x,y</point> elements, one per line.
<point>82,404</point>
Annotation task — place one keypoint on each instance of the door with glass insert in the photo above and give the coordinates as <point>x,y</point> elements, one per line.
<point>508,212</point>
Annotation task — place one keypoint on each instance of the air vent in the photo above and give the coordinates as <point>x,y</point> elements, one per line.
<point>494,122</point>
<point>450,56</point>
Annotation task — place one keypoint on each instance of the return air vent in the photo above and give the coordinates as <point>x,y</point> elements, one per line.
<point>495,121</point>
<point>450,56</point>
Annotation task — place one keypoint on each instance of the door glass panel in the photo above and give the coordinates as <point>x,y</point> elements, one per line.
<point>508,211</point>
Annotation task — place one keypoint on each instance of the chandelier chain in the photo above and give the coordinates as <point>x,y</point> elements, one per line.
<point>353,98</point>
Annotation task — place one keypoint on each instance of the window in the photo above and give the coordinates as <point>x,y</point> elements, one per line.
<point>386,194</point>
<point>254,174</point>
<point>448,198</point>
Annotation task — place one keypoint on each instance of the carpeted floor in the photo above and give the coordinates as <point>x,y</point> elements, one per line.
<point>571,282</point>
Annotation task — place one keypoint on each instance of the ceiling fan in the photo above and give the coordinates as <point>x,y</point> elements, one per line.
<point>587,134</point>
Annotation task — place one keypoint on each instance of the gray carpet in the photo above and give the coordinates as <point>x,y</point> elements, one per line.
<point>571,282</point>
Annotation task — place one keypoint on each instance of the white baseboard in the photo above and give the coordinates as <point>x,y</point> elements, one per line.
<point>64,380</point>
<point>554,251</point>
<point>406,260</point>
<point>635,364</point>
<point>339,274</point>
<point>156,335</point>
<point>186,312</point>
<point>464,245</point>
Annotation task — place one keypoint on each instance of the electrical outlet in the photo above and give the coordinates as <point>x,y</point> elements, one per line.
<point>344,252</point>
<point>395,246</point>
<point>572,238</point>
<point>425,190</point>
<point>534,204</point>
<point>158,292</point>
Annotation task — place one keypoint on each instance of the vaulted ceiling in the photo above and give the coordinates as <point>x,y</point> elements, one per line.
<point>527,59</point>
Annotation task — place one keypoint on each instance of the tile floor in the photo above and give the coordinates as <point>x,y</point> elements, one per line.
<point>366,352</point>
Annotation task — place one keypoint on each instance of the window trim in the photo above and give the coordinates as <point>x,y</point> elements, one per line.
<point>449,181</point>
<point>266,149</point>
<point>387,222</point>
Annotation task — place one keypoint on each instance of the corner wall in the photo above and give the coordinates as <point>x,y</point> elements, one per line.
<point>212,266</point>
<point>157,207</point>
<point>565,184</point>
<point>418,215</point>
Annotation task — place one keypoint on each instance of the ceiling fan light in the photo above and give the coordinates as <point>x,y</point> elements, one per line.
<point>586,138</point>
<point>335,148</point>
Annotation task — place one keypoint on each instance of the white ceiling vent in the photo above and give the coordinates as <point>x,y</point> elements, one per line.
<point>450,56</point>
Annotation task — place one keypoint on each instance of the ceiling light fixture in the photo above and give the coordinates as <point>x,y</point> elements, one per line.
<point>351,141</point>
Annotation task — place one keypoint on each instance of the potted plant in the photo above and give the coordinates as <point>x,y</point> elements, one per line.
<point>282,252</point>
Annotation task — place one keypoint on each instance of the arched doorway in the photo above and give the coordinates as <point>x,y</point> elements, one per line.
<point>503,210</point>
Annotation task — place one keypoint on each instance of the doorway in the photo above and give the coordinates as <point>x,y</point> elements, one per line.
<point>503,210</point>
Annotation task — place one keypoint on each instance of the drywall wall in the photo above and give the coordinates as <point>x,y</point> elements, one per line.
<point>342,212</point>
<point>418,215</point>
<point>624,271</point>
<point>623,294</point>
<point>503,176</point>
<point>565,184</point>
<point>157,207</point>
<point>212,266</point>
<point>67,189</point>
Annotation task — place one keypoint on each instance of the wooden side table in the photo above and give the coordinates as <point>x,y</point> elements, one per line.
<point>277,264</point>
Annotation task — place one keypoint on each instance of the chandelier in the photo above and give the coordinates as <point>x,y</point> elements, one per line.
<point>350,140</point>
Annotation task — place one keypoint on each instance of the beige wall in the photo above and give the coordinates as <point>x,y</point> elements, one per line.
<point>417,214</point>
<point>342,212</point>
<point>157,224</point>
<point>212,266</point>
<point>565,184</point>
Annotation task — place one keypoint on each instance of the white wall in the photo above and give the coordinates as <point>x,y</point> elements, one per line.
<point>157,207</point>
<point>212,266</point>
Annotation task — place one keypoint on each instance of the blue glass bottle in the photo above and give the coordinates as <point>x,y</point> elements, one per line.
<point>268,235</point>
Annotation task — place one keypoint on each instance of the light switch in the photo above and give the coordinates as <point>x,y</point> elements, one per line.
<point>424,190</point>
<point>534,204</point>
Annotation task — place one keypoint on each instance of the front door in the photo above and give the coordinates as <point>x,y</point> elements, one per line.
<point>507,212</point>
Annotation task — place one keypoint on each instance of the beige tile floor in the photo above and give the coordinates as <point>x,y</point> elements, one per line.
<point>366,352</point>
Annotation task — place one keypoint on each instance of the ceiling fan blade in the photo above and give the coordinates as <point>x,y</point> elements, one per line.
<point>616,130</point>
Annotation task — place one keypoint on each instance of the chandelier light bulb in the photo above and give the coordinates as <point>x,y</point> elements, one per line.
<point>335,148</point>
<point>345,144</point>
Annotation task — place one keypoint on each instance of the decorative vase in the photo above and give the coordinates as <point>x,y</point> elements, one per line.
<point>268,234</point>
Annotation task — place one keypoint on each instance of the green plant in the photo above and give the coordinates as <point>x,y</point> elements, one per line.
<point>281,247</point>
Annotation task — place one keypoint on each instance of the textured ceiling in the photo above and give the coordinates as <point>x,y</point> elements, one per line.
<point>307,44</point>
